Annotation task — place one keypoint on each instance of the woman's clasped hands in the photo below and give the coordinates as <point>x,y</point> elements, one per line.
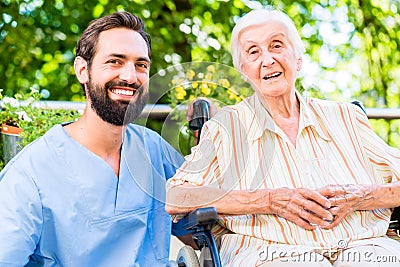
<point>324,207</point>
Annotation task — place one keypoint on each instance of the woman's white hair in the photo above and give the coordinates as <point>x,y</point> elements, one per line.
<point>261,16</point>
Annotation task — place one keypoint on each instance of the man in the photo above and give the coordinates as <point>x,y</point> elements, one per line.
<point>80,195</point>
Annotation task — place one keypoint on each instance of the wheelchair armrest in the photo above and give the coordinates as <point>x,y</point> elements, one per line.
<point>396,214</point>
<point>201,217</point>
<point>201,221</point>
<point>395,219</point>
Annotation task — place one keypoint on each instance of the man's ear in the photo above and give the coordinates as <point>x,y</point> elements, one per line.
<point>81,70</point>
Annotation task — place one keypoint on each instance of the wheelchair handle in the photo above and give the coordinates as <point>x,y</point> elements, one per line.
<point>201,114</point>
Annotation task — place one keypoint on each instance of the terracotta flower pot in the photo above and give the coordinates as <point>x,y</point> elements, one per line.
<point>7,129</point>
<point>10,136</point>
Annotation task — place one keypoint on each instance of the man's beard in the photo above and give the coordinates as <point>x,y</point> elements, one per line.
<point>115,111</point>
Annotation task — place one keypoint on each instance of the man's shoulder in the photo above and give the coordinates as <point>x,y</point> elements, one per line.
<point>45,143</point>
<point>142,131</point>
<point>150,141</point>
<point>36,154</point>
<point>148,138</point>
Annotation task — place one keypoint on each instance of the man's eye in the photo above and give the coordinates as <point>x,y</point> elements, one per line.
<point>113,61</point>
<point>142,65</point>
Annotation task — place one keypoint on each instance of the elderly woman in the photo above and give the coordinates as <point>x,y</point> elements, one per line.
<point>297,181</point>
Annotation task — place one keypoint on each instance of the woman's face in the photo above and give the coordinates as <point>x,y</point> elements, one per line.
<point>268,58</point>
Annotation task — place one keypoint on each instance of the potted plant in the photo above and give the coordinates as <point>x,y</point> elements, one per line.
<point>23,121</point>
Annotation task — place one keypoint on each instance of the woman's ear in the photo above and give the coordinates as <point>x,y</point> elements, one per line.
<point>299,63</point>
<point>81,70</point>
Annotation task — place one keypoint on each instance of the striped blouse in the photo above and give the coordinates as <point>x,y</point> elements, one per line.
<point>243,149</point>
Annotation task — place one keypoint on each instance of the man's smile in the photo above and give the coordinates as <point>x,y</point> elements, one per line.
<point>123,92</point>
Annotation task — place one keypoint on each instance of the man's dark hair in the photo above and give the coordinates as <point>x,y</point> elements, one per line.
<point>87,44</point>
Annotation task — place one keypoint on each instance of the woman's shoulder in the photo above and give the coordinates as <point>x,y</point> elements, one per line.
<point>239,109</point>
<point>329,105</point>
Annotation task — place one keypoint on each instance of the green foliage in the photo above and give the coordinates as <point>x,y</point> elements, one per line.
<point>351,45</point>
<point>218,82</point>
<point>22,111</point>
<point>38,38</point>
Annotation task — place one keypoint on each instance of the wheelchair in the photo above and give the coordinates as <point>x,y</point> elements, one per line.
<point>201,221</point>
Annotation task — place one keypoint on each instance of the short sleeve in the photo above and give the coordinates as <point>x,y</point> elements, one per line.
<point>201,167</point>
<point>20,217</point>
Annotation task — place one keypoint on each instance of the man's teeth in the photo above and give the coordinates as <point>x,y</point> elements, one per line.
<point>276,74</point>
<point>123,92</point>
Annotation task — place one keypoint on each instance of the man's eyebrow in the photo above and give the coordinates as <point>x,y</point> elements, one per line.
<point>123,56</point>
<point>144,59</point>
<point>117,55</point>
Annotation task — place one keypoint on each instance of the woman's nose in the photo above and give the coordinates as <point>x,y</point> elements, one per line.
<point>267,59</point>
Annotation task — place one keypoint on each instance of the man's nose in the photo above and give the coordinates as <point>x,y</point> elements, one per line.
<point>128,73</point>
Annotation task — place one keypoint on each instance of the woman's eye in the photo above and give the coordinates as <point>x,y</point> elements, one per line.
<point>253,52</point>
<point>276,45</point>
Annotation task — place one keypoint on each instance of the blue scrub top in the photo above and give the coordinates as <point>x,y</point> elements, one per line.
<point>62,205</point>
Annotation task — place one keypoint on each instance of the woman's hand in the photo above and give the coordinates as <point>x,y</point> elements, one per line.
<point>304,207</point>
<point>345,199</point>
